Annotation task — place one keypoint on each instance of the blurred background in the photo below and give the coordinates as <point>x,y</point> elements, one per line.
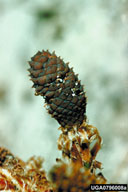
<point>93,37</point>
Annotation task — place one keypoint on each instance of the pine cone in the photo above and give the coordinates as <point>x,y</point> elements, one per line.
<point>60,87</point>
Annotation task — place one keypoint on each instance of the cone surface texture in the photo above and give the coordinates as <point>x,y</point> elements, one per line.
<point>60,87</point>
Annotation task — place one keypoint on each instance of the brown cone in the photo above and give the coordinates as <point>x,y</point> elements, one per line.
<point>60,87</point>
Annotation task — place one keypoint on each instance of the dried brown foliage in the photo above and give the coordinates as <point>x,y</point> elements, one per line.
<point>17,175</point>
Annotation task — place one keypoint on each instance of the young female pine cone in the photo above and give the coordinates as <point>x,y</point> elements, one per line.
<point>60,87</point>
